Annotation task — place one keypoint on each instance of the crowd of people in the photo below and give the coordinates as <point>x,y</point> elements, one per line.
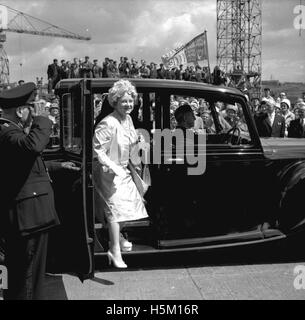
<point>125,68</point>
<point>109,68</point>
<point>274,117</point>
<point>278,117</point>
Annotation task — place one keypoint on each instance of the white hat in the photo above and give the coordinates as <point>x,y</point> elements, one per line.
<point>287,102</point>
<point>232,107</point>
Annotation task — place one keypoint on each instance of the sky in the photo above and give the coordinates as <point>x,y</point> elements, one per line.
<point>146,29</point>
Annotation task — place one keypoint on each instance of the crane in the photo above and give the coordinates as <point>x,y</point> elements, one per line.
<point>12,20</point>
<point>239,43</point>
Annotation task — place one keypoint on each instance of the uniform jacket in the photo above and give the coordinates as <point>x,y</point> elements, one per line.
<point>296,129</point>
<point>26,195</point>
<point>264,128</point>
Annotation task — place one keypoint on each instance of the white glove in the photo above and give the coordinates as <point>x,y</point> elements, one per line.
<point>119,171</point>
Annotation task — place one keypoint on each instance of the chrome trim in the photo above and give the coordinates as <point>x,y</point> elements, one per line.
<point>189,241</point>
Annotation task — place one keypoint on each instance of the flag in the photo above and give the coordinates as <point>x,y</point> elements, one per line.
<point>194,51</point>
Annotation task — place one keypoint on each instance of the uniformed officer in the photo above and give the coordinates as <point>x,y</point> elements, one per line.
<point>27,204</point>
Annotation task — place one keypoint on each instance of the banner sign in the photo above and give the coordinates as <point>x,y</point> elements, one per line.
<point>194,52</point>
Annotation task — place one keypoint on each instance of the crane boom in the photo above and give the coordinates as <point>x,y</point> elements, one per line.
<point>12,20</point>
<point>49,34</point>
<point>21,22</point>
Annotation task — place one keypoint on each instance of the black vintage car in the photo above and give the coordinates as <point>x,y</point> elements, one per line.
<point>248,193</point>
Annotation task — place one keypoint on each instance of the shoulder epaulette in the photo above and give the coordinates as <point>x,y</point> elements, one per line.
<point>8,123</point>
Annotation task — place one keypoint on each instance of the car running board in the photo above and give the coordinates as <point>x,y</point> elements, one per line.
<point>234,237</point>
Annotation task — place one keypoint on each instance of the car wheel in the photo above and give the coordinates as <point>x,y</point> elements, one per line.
<point>290,213</point>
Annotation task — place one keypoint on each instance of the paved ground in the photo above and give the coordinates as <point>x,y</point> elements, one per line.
<point>232,275</point>
<point>272,281</point>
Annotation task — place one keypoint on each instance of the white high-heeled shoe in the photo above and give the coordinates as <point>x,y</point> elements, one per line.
<point>116,263</point>
<point>125,244</point>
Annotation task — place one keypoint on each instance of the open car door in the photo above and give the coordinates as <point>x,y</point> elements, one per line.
<point>71,245</point>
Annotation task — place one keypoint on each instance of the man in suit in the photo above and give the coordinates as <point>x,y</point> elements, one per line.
<point>105,68</point>
<point>179,72</point>
<point>86,68</point>
<point>74,68</point>
<point>144,70</point>
<point>124,67</point>
<point>296,128</point>
<point>267,96</point>
<point>270,124</point>
<point>134,69</point>
<point>97,70</point>
<point>53,75</point>
<point>26,195</point>
<point>63,70</point>
<point>161,72</point>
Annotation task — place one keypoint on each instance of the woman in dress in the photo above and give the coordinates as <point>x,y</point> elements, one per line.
<point>114,145</point>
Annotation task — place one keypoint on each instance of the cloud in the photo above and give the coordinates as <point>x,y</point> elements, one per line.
<point>130,28</point>
<point>144,29</point>
<point>278,14</point>
<point>284,70</point>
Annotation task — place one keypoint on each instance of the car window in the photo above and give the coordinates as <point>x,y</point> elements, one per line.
<point>223,121</point>
<point>72,125</point>
<point>52,109</point>
<point>143,114</point>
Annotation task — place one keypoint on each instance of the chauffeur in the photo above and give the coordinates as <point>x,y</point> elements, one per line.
<point>27,204</point>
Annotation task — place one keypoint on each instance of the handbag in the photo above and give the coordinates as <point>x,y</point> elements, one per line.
<point>141,184</point>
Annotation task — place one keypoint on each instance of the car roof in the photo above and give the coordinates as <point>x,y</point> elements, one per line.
<point>152,83</point>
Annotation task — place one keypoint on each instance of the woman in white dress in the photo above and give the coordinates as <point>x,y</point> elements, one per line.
<point>114,145</point>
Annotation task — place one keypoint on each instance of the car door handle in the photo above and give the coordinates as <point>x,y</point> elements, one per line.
<point>174,159</point>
